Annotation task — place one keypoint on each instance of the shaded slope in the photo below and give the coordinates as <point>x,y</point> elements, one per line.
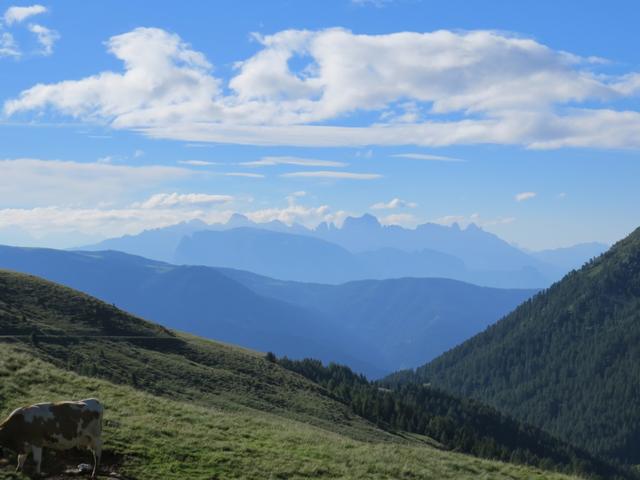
<point>568,360</point>
<point>199,300</point>
<point>375,327</point>
<point>409,321</point>
<point>78,332</point>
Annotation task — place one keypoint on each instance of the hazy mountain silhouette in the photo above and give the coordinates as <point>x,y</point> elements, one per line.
<point>374,326</point>
<point>281,255</point>
<point>406,321</point>
<point>570,258</point>
<point>361,249</point>
<point>199,300</point>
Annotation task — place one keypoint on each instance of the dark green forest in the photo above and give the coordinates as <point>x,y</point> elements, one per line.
<point>457,424</point>
<point>568,360</point>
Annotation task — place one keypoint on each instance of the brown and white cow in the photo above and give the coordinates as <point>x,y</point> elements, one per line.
<point>59,426</point>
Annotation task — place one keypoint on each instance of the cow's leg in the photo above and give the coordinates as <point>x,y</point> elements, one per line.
<point>22,457</point>
<point>37,458</point>
<point>96,449</point>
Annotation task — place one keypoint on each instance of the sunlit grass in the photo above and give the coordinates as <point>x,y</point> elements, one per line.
<point>159,438</point>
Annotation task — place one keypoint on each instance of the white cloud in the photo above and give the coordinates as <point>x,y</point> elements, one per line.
<point>427,156</point>
<point>474,218</point>
<point>67,223</point>
<point>393,204</point>
<point>19,14</point>
<point>46,37</point>
<point>562,195</point>
<point>104,222</point>
<point>406,220</point>
<point>521,197</point>
<point>296,213</point>
<point>74,183</point>
<point>450,219</point>
<point>305,162</point>
<point>164,80</point>
<point>138,153</point>
<point>197,163</point>
<point>371,3</point>
<point>499,88</point>
<point>8,46</point>
<point>333,175</point>
<point>243,174</point>
<point>169,200</point>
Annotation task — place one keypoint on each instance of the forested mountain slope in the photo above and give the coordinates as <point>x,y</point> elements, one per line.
<point>568,360</point>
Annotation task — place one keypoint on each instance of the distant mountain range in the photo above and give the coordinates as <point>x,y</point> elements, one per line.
<point>361,249</point>
<point>568,360</point>
<point>373,326</point>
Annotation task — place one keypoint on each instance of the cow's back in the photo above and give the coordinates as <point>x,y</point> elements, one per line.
<point>62,425</point>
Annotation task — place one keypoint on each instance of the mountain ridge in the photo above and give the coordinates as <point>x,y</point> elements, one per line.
<point>286,317</point>
<point>566,360</point>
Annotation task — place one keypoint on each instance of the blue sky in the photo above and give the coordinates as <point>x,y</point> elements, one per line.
<point>522,117</point>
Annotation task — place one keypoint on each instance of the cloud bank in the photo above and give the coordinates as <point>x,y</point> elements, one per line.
<point>426,89</point>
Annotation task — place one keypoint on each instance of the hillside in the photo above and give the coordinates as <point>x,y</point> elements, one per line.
<point>233,414</point>
<point>376,327</point>
<point>406,321</point>
<point>197,300</point>
<point>148,437</point>
<point>566,360</point>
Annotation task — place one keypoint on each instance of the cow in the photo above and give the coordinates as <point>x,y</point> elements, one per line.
<point>60,426</point>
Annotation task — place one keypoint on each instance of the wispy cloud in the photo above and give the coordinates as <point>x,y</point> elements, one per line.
<point>53,182</point>
<point>371,3</point>
<point>474,218</point>
<point>427,156</point>
<point>46,37</point>
<point>303,162</point>
<point>406,220</point>
<point>197,163</point>
<point>243,174</point>
<point>333,175</point>
<point>393,204</point>
<point>170,200</point>
<point>8,46</point>
<point>294,212</point>
<point>20,14</point>
<point>523,196</point>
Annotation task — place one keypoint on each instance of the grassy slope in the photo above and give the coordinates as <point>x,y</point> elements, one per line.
<point>182,407</point>
<point>162,438</point>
